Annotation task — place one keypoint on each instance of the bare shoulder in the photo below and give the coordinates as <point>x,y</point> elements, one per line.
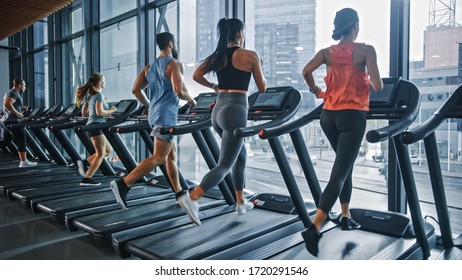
<point>367,49</point>
<point>250,54</point>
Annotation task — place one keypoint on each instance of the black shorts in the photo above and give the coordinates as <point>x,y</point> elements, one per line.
<point>96,132</point>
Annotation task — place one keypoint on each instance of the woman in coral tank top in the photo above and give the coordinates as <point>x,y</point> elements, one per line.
<point>351,69</point>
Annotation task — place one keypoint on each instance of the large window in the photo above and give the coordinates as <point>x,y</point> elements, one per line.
<point>41,94</point>
<point>111,8</point>
<point>40,33</point>
<point>73,68</point>
<point>72,18</point>
<point>119,55</point>
<point>435,67</point>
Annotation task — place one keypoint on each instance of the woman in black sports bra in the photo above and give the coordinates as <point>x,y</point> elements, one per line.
<point>233,66</point>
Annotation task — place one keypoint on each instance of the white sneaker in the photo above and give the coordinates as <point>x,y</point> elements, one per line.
<point>191,207</point>
<point>27,163</point>
<point>81,168</point>
<point>244,207</point>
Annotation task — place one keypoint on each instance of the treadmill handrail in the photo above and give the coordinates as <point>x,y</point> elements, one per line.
<point>426,128</point>
<point>387,132</point>
<point>186,128</point>
<point>129,128</point>
<point>286,128</point>
<point>67,125</point>
<point>255,129</point>
<point>103,125</point>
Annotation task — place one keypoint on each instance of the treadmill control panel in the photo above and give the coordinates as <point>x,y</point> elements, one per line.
<point>203,109</point>
<point>272,103</point>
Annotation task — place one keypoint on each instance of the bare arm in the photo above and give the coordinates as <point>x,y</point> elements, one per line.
<point>179,87</point>
<point>373,69</point>
<point>139,85</point>
<point>85,110</point>
<point>258,73</point>
<point>309,68</point>
<point>8,105</point>
<point>198,76</point>
<point>100,110</point>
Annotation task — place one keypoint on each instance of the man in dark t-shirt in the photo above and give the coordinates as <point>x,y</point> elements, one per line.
<point>12,110</point>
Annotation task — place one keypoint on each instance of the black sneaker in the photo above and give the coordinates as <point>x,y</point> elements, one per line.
<point>120,190</point>
<point>348,224</point>
<point>311,237</point>
<point>89,182</point>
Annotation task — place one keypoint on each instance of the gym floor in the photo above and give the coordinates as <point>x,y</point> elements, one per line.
<point>28,236</point>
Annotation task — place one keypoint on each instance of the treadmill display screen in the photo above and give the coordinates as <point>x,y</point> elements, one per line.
<point>384,96</point>
<point>34,112</point>
<point>122,107</point>
<point>203,102</point>
<point>70,109</point>
<point>269,100</point>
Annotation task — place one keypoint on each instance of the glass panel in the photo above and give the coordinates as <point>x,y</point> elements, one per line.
<point>73,20</point>
<point>73,68</point>
<point>197,40</point>
<point>118,61</point>
<point>111,8</point>
<point>41,94</point>
<point>118,65</point>
<point>165,20</point>
<point>435,67</point>
<point>40,33</point>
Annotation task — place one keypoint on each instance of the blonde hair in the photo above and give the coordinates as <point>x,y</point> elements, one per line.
<point>89,87</point>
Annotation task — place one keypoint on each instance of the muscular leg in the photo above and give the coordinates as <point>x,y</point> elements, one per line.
<point>161,151</point>
<point>99,142</point>
<point>172,169</point>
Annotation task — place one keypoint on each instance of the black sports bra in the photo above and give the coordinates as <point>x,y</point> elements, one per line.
<point>231,77</point>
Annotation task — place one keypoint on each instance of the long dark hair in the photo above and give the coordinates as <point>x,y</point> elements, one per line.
<point>89,87</point>
<point>227,31</point>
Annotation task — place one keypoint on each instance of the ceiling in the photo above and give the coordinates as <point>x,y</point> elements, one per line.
<point>18,14</point>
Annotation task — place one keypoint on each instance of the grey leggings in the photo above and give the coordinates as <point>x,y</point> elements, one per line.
<point>229,113</point>
<point>345,130</point>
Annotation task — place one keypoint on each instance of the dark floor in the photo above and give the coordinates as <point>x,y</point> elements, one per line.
<point>28,236</point>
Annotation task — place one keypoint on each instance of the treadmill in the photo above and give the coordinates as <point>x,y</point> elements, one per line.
<point>221,228</point>
<point>72,190</point>
<point>62,178</point>
<point>101,223</point>
<point>33,149</point>
<point>65,208</point>
<point>70,184</point>
<point>45,173</point>
<point>384,234</point>
<point>451,108</point>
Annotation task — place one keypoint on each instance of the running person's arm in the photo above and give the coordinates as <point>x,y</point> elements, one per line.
<point>139,85</point>
<point>258,72</point>
<point>8,105</point>
<point>85,110</point>
<point>373,69</point>
<point>198,76</point>
<point>99,108</point>
<point>308,70</point>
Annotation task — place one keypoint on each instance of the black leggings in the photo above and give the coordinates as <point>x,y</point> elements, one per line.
<point>229,113</point>
<point>18,135</point>
<point>345,130</point>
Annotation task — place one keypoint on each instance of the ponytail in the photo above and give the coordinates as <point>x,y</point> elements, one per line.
<point>89,87</point>
<point>227,30</point>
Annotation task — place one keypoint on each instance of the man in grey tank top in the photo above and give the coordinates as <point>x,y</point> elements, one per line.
<point>165,80</point>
